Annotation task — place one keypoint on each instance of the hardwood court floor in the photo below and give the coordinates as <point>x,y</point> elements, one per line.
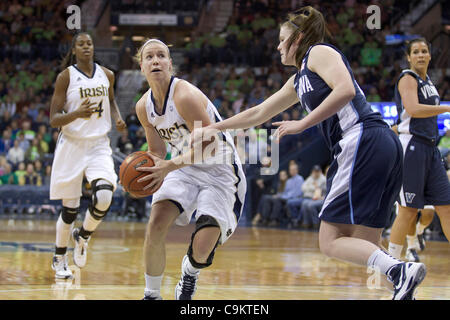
<point>254,264</point>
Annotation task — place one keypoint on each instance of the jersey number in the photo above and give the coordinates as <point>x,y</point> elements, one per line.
<point>99,109</point>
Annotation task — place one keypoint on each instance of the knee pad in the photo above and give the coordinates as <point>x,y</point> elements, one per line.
<point>68,215</point>
<point>102,192</point>
<point>202,222</point>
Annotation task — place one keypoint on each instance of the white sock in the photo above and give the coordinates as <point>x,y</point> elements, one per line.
<point>153,285</point>
<point>420,228</point>
<point>62,233</point>
<point>381,261</point>
<point>89,223</point>
<point>411,240</point>
<point>395,250</point>
<point>189,268</point>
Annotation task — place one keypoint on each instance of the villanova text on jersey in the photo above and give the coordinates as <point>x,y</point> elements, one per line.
<point>312,90</point>
<point>427,94</point>
<point>304,85</point>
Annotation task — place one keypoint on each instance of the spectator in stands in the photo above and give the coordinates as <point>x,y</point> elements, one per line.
<point>47,176</point>
<point>6,142</point>
<point>8,105</point>
<point>134,205</point>
<point>38,168</point>
<point>42,143</point>
<point>314,190</point>
<point>273,207</point>
<point>34,152</point>
<point>31,177</point>
<point>261,185</point>
<point>123,141</point>
<point>44,133</point>
<point>139,139</point>
<point>26,130</point>
<point>6,175</point>
<point>16,154</point>
<point>53,142</point>
<point>3,164</point>
<point>132,123</point>
<point>19,174</point>
<point>444,144</point>
<point>373,95</point>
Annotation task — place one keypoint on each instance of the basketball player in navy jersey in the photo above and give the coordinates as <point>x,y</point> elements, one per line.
<point>365,176</point>
<point>425,181</point>
<point>82,105</point>
<point>215,188</point>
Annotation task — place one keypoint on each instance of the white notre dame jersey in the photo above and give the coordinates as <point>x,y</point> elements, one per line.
<point>96,89</point>
<point>172,129</point>
<point>215,187</point>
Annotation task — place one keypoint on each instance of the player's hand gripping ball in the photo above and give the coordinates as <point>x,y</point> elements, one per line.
<point>129,175</point>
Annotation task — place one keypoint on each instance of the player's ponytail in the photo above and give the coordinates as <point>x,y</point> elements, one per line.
<point>309,24</point>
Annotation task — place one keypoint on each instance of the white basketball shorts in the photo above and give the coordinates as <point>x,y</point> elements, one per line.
<point>218,192</point>
<point>75,158</point>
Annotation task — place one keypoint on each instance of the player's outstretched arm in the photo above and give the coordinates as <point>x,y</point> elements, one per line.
<point>276,103</point>
<point>57,117</point>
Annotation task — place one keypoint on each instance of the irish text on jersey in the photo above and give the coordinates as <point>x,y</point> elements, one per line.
<point>94,92</point>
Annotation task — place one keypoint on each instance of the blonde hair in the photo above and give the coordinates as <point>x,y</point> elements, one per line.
<point>138,56</point>
<point>309,24</point>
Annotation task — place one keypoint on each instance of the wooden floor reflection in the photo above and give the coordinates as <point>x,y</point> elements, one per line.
<point>254,264</point>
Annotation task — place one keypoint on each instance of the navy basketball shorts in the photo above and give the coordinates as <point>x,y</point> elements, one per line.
<point>364,178</point>
<point>425,180</point>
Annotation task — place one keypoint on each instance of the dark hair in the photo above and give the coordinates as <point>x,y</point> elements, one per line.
<point>70,58</point>
<point>411,42</point>
<point>309,23</point>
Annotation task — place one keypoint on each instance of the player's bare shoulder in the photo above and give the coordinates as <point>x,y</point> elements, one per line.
<point>63,78</point>
<point>141,111</point>
<point>187,92</point>
<point>109,73</point>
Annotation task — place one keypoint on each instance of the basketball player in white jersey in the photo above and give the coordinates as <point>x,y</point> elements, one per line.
<point>167,111</point>
<point>82,106</point>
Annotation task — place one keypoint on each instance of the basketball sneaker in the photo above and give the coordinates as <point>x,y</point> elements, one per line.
<point>148,296</point>
<point>411,255</point>
<point>406,276</point>
<point>187,285</point>
<point>80,250</point>
<point>60,265</point>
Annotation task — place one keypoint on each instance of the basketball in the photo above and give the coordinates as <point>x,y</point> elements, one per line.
<point>129,175</point>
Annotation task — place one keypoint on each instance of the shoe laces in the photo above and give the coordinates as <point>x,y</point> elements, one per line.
<point>189,282</point>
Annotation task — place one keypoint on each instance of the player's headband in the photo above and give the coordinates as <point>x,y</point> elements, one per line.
<point>154,40</point>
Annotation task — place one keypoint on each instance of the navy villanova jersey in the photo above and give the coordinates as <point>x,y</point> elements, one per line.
<point>312,90</point>
<point>426,128</point>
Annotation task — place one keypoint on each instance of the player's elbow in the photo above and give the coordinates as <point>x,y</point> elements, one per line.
<point>411,109</point>
<point>349,92</point>
<point>53,123</point>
